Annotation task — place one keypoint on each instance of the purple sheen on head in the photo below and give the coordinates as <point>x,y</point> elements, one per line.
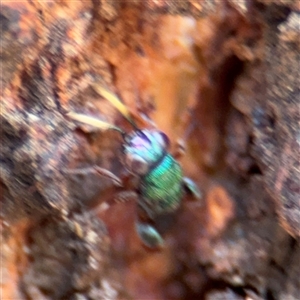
<point>146,135</point>
<point>140,142</point>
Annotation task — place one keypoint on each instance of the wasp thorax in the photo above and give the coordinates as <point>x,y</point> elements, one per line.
<point>143,149</point>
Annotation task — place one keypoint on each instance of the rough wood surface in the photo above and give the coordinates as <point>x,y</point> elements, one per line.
<point>227,72</point>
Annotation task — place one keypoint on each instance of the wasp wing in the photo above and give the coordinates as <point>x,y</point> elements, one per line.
<point>92,121</point>
<point>115,101</point>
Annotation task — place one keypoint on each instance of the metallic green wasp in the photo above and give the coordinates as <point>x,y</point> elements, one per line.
<point>161,183</point>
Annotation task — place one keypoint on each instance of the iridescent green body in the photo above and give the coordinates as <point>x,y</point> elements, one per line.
<point>161,189</point>
<point>159,176</point>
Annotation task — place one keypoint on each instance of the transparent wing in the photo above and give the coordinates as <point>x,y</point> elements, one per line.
<point>92,121</point>
<point>115,101</point>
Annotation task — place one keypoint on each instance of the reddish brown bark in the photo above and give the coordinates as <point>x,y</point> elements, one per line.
<point>233,64</point>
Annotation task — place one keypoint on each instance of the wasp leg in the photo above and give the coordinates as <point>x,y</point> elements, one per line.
<point>149,235</point>
<point>180,146</point>
<point>191,187</point>
<point>125,196</point>
<point>180,149</point>
<point>104,172</point>
<point>96,170</point>
<point>145,229</point>
<point>121,197</point>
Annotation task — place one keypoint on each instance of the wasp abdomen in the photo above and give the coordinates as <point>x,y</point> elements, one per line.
<point>161,188</point>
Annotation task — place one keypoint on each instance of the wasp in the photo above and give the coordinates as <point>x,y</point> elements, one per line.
<point>160,181</point>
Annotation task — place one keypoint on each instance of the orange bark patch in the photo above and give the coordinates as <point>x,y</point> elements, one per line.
<point>221,209</point>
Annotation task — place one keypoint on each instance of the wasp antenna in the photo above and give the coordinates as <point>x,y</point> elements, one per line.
<point>115,101</point>
<point>93,122</point>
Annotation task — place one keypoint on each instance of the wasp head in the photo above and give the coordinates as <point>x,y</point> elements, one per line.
<point>143,149</point>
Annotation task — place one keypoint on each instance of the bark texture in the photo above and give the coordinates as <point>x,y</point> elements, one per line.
<point>225,72</point>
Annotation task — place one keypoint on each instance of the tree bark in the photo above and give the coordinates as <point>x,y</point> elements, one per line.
<point>224,74</point>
